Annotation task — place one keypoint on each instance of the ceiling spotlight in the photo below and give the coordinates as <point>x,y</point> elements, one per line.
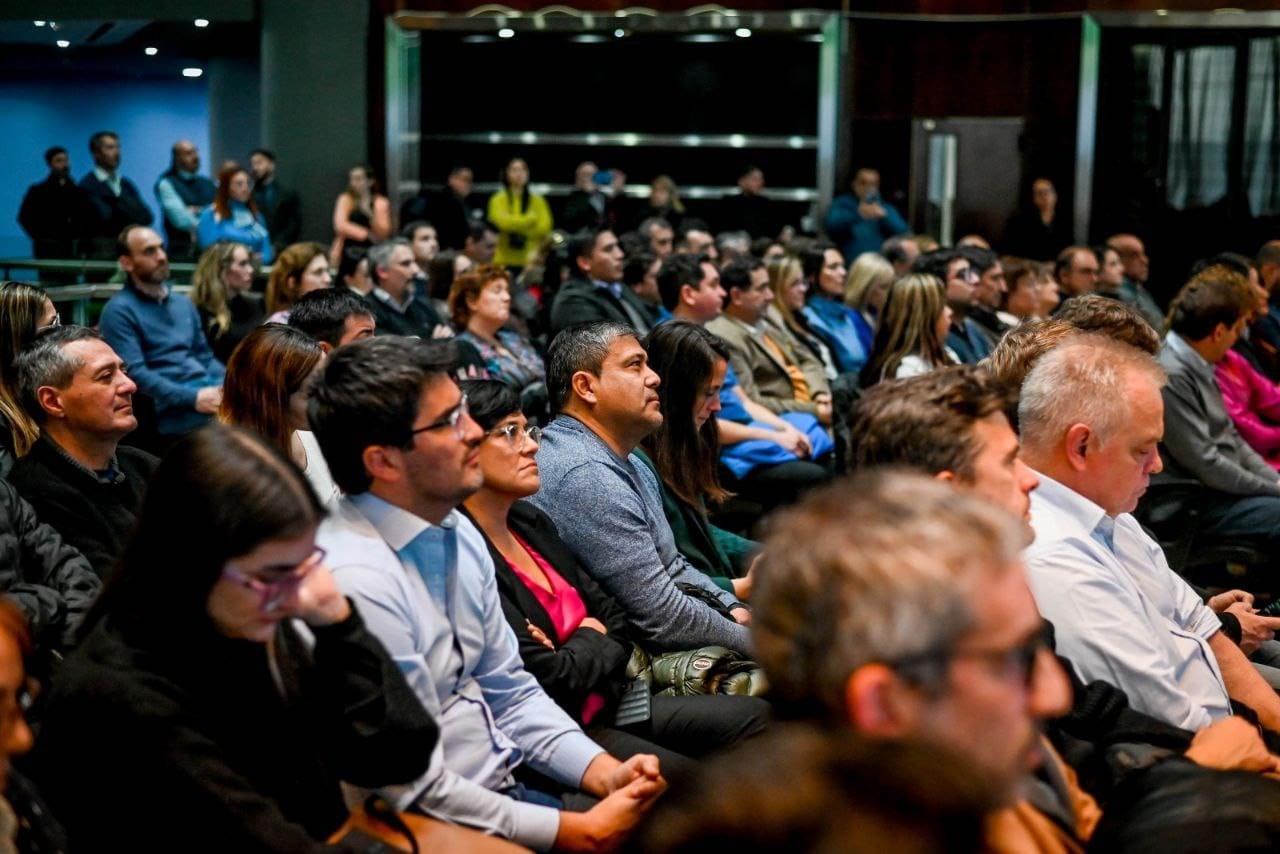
<point>506,33</point>
<point>192,72</point>
<point>1162,12</point>
<point>202,22</point>
<point>63,43</point>
<point>39,23</point>
<point>150,51</point>
<point>742,33</point>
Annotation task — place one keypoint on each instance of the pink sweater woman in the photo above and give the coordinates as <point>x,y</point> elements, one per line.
<point>1253,402</point>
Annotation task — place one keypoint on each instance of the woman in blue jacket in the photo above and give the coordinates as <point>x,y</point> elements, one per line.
<point>233,216</point>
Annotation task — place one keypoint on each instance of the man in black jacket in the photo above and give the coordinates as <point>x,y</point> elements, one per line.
<point>54,212</point>
<point>114,201</point>
<point>595,291</point>
<point>280,206</point>
<point>77,476</point>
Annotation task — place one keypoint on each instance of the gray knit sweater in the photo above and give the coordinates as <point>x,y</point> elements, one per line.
<point>609,512</point>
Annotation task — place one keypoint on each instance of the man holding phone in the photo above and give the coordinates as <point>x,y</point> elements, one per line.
<point>860,221</point>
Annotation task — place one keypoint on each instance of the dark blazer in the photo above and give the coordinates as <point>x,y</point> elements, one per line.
<point>282,210</point>
<point>588,662</point>
<point>109,213</point>
<point>580,301</point>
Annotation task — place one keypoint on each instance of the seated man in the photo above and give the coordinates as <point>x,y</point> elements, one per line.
<point>1091,419</point>
<point>333,317</point>
<point>607,504</point>
<point>594,290</point>
<point>690,288</point>
<point>1209,467</point>
<point>159,335</point>
<point>396,434</point>
<point>77,476</point>
<point>393,270</point>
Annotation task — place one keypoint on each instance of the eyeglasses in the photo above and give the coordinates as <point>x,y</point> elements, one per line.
<point>453,418</point>
<point>53,324</point>
<point>283,579</point>
<point>1016,663</point>
<point>516,437</point>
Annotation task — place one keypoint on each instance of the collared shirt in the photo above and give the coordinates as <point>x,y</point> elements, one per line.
<point>614,288</point>
<point>175,208</point>
<point>111,179</point>
<point>1119,613</point>
<point>428,593</point>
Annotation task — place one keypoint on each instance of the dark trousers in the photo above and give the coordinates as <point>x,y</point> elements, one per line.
<point>777,485</point>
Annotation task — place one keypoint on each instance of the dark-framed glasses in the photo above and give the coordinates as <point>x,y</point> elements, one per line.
<point>1016,662</point>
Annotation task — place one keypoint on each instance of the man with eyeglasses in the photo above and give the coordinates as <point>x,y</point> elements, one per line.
<point>966,338</point>
<point>400,443</point>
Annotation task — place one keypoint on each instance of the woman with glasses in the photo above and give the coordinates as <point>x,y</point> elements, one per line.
<point>25,310</point>
<point>684,452</point>
<point>574,638</point>
<point>224,686</point>
<point>266,389</point>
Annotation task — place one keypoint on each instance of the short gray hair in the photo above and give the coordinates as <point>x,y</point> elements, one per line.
<point>1083,380</point>
<point>380,254</point>
<point>580,348</point>
<point>878,568</point>
<point>46,363</point>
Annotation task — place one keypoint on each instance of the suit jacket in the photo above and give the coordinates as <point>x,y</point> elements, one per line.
<point>588,662</point>
<point>581,301</point>
<point>109,213</point>
<point>761,374</point>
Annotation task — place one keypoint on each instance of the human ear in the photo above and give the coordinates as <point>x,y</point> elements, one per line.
<point>878,703</point>
<point>583,385</point>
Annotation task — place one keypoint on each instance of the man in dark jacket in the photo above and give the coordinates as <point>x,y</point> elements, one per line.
<point>114,201</point>
<point>595,291</point>
<point>54,212</point>
<point>280,206</point>
<point>447,208</point>
<point>77,477</point>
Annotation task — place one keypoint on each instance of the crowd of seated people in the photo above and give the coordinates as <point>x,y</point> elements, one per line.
<point>518,527</point>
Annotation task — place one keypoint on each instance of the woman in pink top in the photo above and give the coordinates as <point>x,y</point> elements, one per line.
<point>1253,402</point>
<point>574,639</point>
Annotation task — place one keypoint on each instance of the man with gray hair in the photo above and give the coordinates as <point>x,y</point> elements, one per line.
<point>607,504</point>
<point>1091,418</point>
<point>393,269</point>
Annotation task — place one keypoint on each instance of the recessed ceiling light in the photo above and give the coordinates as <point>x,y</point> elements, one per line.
<point>1162,12</point>
<point>150,51</point>
<point>506,33</point>
<point>202,22</point>
<point>192,72</point>
<point>63,43</point>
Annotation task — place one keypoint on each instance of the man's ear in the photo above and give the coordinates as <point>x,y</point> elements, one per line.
<point>382,462</point>
<point>879,703</point>
<point>583,385</point>
<point>686,294</point>
<point>49,400</point>
<point>946,476</point>
<point>325,347</point>
<point>1081,440</point>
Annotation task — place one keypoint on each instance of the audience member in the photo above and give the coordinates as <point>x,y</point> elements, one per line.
<point>159,335</point>
<point>595,290</point>
<point>690,288</point>
<point>989,292</point>
<point>25,311</point>
<point>640,274</point>
<point>221,289</point>
<point>393,302</point>
<point>522,218</point>
<point>1076,270</point>
<point>901,251</point>
<point>424,241</point>
<point>447,208</point>
<point>860,221</point>
<point>215,704</point>
<point>234,216</point>
<point>78,477</point>
<point>607,504</point>
<point>442,270</point>
<point>695,239</point>
<point>1110,271</point>
<point>659,236</point>
<point>1020,301</point>
<point>1090,420</point>
<point>480,306</point>
<point>845,331</point>
<point>683,453</point>
<point>114,201</point>
<point>333,317</point>
<point>573,637</point>
<point>481,243</point>
<point>785,315</point>
<point>183,194</point>
<point>1133,255</point>
<point>911,336</point>
<point>55,212</point>
<point>588,205</point>
<point>280,207</point>
<point>663,203</point>
<point>1037,231</point>
<point>732,245</point>
<point>354,274</point>
<point>1116,320</point>
<point>1050,290</point>
<point>749,209</point>
<point>422,574</point>
<point>361,214</point>
<point>269,380</point>
<point>300,269</point>
<point>966,339</point>
<point>868,285</point>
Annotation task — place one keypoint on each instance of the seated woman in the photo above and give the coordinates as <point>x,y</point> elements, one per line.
<point>194,714</point>
<point>867,285</point>
<point>573,637</point>
<point>480,305</point>
<point>910,336</point>
<point>234,216</point>
<point>266,390</point>
<point>220,290</point>
<point>24,310</point>
<point>785,316</point>
<point>684,452</point>
<point>301,269</point>
<point>845,332</point>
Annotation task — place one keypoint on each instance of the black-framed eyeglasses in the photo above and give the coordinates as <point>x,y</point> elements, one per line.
<point>517,437</point>
<point>453,418</point>
<point>1016,662</point>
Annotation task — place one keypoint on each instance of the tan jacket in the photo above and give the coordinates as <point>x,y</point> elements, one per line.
<point>761,374</point>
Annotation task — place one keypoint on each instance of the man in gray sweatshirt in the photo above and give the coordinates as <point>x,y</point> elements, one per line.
<point>606,503</point>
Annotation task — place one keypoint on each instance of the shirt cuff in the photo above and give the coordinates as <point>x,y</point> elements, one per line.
<point>535,825</point>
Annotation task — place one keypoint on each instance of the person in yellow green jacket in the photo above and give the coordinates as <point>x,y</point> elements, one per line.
<point>522,218</point>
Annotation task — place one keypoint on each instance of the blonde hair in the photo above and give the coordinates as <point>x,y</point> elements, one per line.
<point>286,275</point>
<point>21,305</point>
<point>908,325</point>
<point>784,269</point>
<point>208,290</point>
<point>868,270</point>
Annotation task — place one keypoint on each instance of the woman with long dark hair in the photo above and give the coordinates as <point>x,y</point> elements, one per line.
<point>196,714</point>
<point>234,216</point>
<point>684,452</point>
<point>266,390</point>
<point>522,218</point>
<point>24,310</point>
<point>574,638</point>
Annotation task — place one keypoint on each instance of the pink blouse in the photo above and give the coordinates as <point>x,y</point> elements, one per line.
<point>1253,402</point>
<point>563,605</point>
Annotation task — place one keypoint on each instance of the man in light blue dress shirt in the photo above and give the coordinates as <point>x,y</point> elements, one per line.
<point>1091,417</point>
<point>399,441</point>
